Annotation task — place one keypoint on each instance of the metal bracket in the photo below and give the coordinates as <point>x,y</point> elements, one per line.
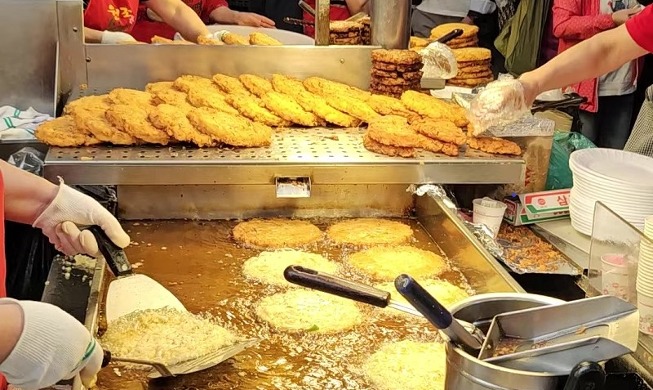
<point>293,187</point>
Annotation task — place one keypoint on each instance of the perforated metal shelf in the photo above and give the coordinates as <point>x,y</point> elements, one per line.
<point>293,151</point>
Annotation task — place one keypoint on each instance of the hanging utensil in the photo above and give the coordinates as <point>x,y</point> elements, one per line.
<point>306,7</point>
<point>298,22</point>
<point>130,292</point>
<point>437,314</point>
<point>160,370</point>
<point>556,338</point>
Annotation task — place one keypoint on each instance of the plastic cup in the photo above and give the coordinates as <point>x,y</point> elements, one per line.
<point>645,306</point>
<point>489,212</point>
<point>615,278</point>
<point>648,226</point>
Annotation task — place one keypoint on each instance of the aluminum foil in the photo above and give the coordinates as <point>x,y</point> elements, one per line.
<point>481,232</point>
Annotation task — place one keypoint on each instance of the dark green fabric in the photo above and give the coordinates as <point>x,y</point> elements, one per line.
<point>519,40</point>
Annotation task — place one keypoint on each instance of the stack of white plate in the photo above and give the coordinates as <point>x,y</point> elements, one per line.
<point>623,181</point>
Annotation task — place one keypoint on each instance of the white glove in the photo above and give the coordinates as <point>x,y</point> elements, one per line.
<point>115,37</point>
<point>70,209</point>
<point>52,347</point>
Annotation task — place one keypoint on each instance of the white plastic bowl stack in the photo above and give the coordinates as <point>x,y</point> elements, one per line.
<point>623,181</point>
<point>645,280</point>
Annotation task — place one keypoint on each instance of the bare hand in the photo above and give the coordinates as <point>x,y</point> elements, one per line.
<point>621,17</point>
<point>467,20</point>
<point>253,20</point>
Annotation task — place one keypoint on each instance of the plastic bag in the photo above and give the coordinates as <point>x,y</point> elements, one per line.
<point>439,61</point>
<point>498,105</point>
<point>564,143</point>
<point>28,159</point>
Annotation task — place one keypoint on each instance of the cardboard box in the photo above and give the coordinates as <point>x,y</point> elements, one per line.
<point>535,207</point>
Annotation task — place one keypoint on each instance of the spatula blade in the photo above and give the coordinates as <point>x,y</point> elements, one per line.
<point>138,292</point>
<point>208,360</point>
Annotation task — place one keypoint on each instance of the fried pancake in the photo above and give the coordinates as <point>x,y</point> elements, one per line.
<point>286,84</point>
<point>251,107</point>
<point>442,130</point>
<point>369,231</point>
<point>385,263</point>
<point>473,75</point>
<point>276,233</point>
<point>447,294</point>
<point>255,84</point>
<point>230,85</point>
<point>153,88</point>
<point>230,38</point>
<point>419,42</point>
<point>210,97</point>
<point>393,130</point>
<point>186,82</point>
<point>329,89</point>
<point>432,107</point>
<point>416,75</point>
<point>165,41</point>
<point>63,132</point>
<point>344,26</point>
<point>354,107</point>
<point>301,310</point>
<point>393,89</point>
<point>494,145</point>
<point>134,121</point>
<point>171,96</point>
<point>472,54</point>
<point>173,121</point>
<point>287,108</point>
<point>260,39</point>
<point>268,267</point>
<point>94,122</point>
<point>404,57</point>
<point>386,105</point>
<point>230,129</point>
<point>390,67</point>
<point>395,81</point>
<point>131,97</point>
<point>471,82</point>
<point>469,30</point>
<point>88,102</point>
<point>416,365</point>
<point>209,41</point>
<point>392,151</point>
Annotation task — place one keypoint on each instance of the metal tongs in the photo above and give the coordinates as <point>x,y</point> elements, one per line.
<point>424,304</point>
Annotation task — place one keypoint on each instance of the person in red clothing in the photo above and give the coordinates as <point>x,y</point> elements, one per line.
<point>39,343</point>
<point>111,21</point>
<point>607,114</point>
<point>340,10</point>
<point>148,23</point>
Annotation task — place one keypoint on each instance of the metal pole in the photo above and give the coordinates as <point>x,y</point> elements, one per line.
<point>322,22</point>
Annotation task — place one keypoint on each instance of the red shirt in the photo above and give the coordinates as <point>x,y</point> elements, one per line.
<point>338,11</point>
<point>146,28</point>
<point>640,28</point>
<point>111,15</point>
<point>3,289</point>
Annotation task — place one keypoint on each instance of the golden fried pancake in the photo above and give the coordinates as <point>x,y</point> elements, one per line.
<point>393,130</point>
<point>268,267</point>
<point>230,129</point>
<point>260,39</point>
<point>404,57</point>
<point>494,145</point>
<point>131,97</point>
<point>173,121</point>
<point>287,108</point>
<point>186,82</point>
<point>392,151</point>
<point>385,263</point>
<point>276,233</point>
<point>230,85</point>
<point>369,231</point>
<point>63,132</point>
<point>255,84</point>
<point>472,54</point>
<point>442,130</point>
<point>134,121</point>
<point>469,30</point>
<point>252,107</point>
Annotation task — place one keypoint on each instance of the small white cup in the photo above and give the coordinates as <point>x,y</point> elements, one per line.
<point>645,306</point>
<point>489,212</point>
<point>615,277</point>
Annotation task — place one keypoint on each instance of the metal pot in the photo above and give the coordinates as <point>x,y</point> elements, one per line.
<point>390,23</point>
<point>466,372</point>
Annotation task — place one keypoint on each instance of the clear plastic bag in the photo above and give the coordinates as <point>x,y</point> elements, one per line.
<point>498,105</point>
<point>28,159</point>
<point>439,61</point>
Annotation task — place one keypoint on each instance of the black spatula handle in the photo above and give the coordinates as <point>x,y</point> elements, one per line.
<point>586,376</point>
<point>452,35</point>
<point>113,254</point>
<point>334,285</point>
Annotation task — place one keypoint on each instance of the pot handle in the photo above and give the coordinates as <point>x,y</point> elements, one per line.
<point>586,376</point>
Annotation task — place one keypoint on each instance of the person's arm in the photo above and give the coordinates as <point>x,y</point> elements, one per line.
<point>568,23</point>
<point>26,195</point>
<point>179,16</point>
<point>219,12</point>
<point>92,36</point>
<point>11,328</point>
<point>589,59</point>
<point>356,6</point>
<point>106,37</point>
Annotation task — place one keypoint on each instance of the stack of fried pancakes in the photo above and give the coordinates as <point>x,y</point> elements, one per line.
<point>395,72</point>
<point>473,67</point>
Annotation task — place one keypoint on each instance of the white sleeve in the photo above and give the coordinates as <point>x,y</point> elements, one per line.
<point>53,346</point>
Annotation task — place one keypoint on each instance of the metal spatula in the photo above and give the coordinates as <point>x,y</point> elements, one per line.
<point>130,292</point>
<point>200,363</point>
<point>556,338</point>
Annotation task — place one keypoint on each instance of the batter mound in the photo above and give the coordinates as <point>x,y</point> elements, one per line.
<point>416,366</point>
<point>268,267</point>
<point>386,263</point>
<point>369,231</point>
<point>276,233</point>
<point>445,292</point>
<point>301,310</point>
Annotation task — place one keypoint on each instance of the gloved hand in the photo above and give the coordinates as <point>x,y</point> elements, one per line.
<point>53,346</point>
<point>115,37</point>
<point>70,209</point>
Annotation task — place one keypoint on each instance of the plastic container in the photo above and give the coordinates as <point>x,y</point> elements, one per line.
<point>615,276</point>
<point>489,212</point>
<point>645,306</point>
